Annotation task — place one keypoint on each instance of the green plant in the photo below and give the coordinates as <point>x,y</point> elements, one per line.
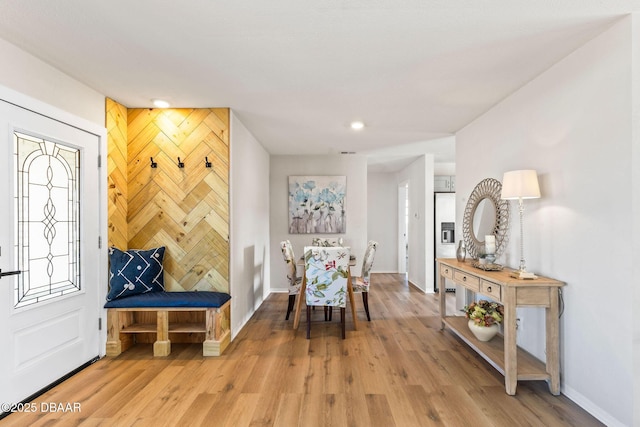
<point>484,313</point>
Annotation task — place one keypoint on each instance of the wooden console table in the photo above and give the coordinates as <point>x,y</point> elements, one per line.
<point>502,352</point>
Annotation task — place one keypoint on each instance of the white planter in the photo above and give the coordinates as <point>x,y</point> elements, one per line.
<point>484,333</point>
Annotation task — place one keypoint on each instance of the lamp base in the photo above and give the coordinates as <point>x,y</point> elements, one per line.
<point>523,275</point>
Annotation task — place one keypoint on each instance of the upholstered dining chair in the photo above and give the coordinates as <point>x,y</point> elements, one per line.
<point>326,242</point>
<point>361,283</point>
<point>326,274</point>
<point>295,282</point>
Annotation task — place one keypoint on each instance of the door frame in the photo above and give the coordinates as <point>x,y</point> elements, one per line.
<point>54,113</point>
<point>403,226</point>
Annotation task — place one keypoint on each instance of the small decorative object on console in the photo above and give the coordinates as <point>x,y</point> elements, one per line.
<point>484,318</point>
<point>484,313</point>
<point>490,244</point>
<point>461,252</point>
<point>486,266</point>
<point>523,275</point>
<point>483,333</point>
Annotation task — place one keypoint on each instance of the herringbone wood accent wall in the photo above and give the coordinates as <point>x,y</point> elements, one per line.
<point>185,209</point>
<point>116,123</point>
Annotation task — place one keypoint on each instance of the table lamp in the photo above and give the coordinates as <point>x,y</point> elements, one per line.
<point>520,185</point>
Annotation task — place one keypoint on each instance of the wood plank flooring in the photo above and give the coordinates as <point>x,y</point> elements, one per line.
<point>397,370</point>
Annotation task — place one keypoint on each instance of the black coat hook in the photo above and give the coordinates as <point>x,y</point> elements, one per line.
<point>153,164</point>
<point>180,163</point>
<point>207,163</point>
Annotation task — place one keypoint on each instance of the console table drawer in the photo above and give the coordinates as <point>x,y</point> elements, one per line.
<point>446,272</point>
<point>491,289</point>
<point>468,281</point>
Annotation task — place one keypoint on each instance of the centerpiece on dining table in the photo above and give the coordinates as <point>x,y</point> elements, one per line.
<point>484,318</point>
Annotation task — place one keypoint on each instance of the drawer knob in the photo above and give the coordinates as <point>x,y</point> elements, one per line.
<point>464,278</point>
<point>488,288</point>
<point>446,270</point>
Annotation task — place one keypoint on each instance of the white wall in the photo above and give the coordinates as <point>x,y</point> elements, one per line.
<point>37,79</point>
<point>421,253</point>
<point>635,203</point>
<point>444,168</point>
<point>382,207</point>
<point>250,257</point>
<point>354,167</point>
<point>573,125</point>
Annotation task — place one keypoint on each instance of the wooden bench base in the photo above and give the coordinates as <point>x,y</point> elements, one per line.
<point>124,324</point>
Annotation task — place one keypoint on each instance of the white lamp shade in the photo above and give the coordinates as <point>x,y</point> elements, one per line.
<point>521,184</point>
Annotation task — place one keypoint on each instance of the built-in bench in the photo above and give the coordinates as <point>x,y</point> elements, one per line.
<point>157,312</point>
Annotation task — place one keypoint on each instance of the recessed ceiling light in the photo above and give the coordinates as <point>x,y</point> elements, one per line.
<point>357,125</point>
<point>160,103</point>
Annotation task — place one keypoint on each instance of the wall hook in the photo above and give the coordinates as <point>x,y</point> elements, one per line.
<point>180,163</point>
<point>153,164</point>
<point>207,163</point>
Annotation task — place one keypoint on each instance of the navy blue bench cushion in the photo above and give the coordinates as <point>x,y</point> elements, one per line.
<point>171,299</point>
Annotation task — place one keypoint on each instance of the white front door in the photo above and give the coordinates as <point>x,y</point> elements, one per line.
<point>49,228</point>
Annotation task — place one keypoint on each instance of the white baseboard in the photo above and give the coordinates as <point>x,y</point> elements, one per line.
<point>416,286</point>
<point>586,404</point>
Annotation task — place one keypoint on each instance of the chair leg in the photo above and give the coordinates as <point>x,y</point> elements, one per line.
<point>292,301</point>
<point>308,322</point>
<point>326,310</point>
<point>330,313</point>
<point>365,300</point>
<point>342,322</point>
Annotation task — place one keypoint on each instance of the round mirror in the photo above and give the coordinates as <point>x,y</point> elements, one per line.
<point>485,214</point>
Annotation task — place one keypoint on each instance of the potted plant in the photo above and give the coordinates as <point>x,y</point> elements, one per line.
<point>484,318</point>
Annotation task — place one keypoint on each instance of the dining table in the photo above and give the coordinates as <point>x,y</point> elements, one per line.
<point>301,296</point>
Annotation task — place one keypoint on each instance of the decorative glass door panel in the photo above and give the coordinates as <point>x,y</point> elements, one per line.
<point>47,212</point>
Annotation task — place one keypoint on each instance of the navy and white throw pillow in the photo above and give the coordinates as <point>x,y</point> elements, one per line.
<point>135,272</point>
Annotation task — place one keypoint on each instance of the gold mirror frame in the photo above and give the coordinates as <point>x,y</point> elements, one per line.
<point>488,188</point>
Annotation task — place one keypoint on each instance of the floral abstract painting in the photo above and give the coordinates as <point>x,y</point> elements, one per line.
<point>317,204</point>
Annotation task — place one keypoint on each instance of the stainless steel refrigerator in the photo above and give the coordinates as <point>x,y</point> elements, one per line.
<point>445,230</point>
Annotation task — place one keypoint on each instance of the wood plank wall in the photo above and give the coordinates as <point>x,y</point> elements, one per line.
<point>116,123</point>
<point>186,210</point>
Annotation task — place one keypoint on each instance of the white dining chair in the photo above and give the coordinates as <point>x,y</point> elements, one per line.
<point>326,276</point>
<point>361,284</point>
<point>293,280</point>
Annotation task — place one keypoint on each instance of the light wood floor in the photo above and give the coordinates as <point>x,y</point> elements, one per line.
<point>397,370</point>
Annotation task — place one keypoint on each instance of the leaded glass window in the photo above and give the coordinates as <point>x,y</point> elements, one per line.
<point>47,211</point>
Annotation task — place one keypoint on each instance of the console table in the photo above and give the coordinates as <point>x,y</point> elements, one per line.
<point>502,351</point>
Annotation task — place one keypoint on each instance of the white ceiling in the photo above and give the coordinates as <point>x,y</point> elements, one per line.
<point>296,72</point>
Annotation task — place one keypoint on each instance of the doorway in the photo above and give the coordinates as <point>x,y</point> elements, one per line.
<point>403,227</point>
